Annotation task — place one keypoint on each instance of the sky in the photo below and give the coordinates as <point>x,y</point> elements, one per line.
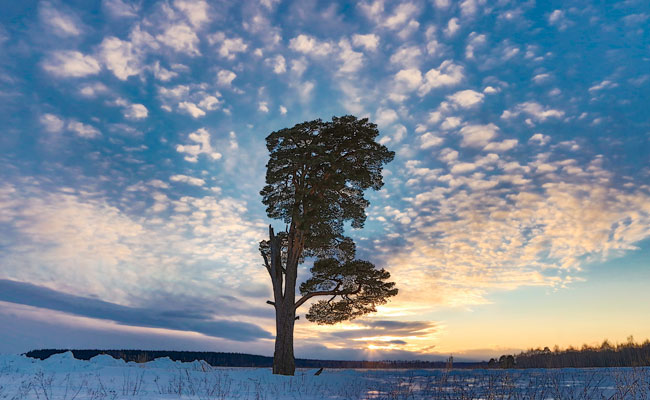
<point>516,212</point>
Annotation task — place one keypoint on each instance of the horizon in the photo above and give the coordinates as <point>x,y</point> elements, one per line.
<point>516,213</point>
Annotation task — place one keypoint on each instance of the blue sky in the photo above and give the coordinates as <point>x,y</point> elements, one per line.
<point>133,154</point>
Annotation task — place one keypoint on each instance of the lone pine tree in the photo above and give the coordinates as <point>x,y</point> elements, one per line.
<point>315,180</point>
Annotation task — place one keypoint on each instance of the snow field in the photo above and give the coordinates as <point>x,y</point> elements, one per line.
<point>63,377</point>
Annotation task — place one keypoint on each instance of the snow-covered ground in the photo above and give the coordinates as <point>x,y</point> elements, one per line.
<point>63,377</point>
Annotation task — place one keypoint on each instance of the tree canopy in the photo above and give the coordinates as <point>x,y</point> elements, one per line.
<point>316,176</point>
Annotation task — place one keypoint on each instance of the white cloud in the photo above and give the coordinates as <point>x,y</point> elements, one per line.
<point>541,78</point>
<point>407,56</point>
<point>283,110</point>
<point>385,117</point>
<point>93,89</point>
<point>190,180</point>
<point>201,138</point>
<point>475,40</point>
<point>121,9</point>
<point>478,135</point>
<point>68,63</point>
<point>163,74</point>
<point>411,78</point>
<point>401,14</point>
<point>263,106</point>
<point>210,103</point>
<point>462,168</point>
<point>469,8</point>
<point>466,98</point>
<point>52,123</point>
<point>191,108</point>
<point>540,139</point>
<point>369,41</point>
<point>558,18</point>
<point>452,27</point>
<point>230,47</point>
<point>428,140</point>
<point>83,130</point>
<point>225,77</point>
<point>278,63</point>
<point>136,111</point>
<point>352,60</point>
<point>534,110</point>
<point>309,45</point>
<point>120,57</point>
<point>442,4</point>
<point>181,38</point>
<point>502,146</point>
<point>447,74</point>
<point>59,22</point>
<point>606,84</point>
<point>196,11</point>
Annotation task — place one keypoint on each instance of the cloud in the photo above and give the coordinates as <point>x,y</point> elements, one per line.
<point>52,123</point>
<point>132,111</point>
<point>225,77</point>
<point>351,60</point>
<point>283,110</point>
<point>428,140</point>
<point>196,11</point>
<point>121,9</point>
<point>83,130</point>
<point>539,139</point>
<point>502,146</point>
<point>191,109</point>
<point>606,84</point>
<point>82,243</point>
<point>311,46</point>
<point>229,46</point>
<point>202,139</point>
<point>452,27</point>
<point>466,98</point>
<point>442,4</point>
<point>385,117</point>
<point>407,56</point>
<point>401,15</point>
<point>369,41</point>
<point>181,38</point>
<point>263,107</point>
<point>558,19</point>
<point>190,180</point>
<point>93,89</point>
<point>195,319</point>
<point>478,135</point>
<point>447,74</point>
<point>163,74</point>
<point>120,57</point>
<point>278,63</point>
<point>69,63</point>
<point>59,22</point>
<point>535,110</point>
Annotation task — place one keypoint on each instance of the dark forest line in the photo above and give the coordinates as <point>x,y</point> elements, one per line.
<point>216,359</point>
<point>629,354</point>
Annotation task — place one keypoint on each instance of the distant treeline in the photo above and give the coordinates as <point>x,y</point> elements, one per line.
<point>629,354</point>
<point>247,360</point>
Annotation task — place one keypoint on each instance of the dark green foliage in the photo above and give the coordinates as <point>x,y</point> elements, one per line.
<point>357,284</point>
<point>316,176</point>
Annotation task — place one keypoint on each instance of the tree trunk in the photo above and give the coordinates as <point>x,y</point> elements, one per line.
<point>284,362</point>
<point>284,293</point>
